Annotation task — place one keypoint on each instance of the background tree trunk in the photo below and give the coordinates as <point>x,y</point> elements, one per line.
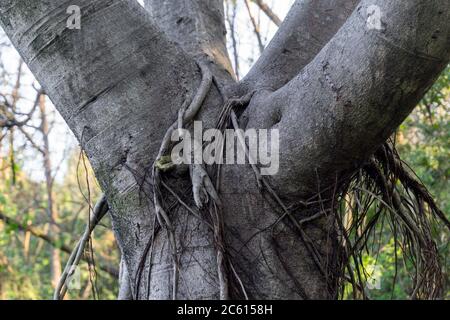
<point>55,261</point>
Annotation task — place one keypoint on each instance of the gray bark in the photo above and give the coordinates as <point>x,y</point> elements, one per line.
<point>356,91</point>
<point>102,80</point>
<point>198,26</point>
<point>120,80</point>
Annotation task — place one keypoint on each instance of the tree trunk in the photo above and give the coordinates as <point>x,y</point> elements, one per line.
<point>55,260</point>
<point>120,80</point>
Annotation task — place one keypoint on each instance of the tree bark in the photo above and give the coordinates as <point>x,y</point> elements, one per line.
<point>120,81</point>
<point>198,26</point>
<point>356,91</point>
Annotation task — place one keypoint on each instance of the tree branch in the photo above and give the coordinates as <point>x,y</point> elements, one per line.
<point>255,26</point>
<point>231,19</point>
<point>357,91</point>
<point>52,241</point>
<point>87,73</point>
<point>309,25</point>
<point>197,25</point>
<point>116,81</point>
<point>266,9</point>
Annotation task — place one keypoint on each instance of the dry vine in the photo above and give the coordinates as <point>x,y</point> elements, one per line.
<point>99,211</point>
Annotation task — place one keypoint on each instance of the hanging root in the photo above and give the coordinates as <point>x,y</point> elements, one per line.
<point>381,200</point>
<point>205,193</point>
<point>383,189</point>
<point>99,211</point>
<point>384,198</point>
<point>202,187</point>
<point>201,183</point>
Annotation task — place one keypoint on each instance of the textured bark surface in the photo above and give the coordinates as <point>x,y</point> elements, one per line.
<point>356,91</point>
<point>120,80</point>
<point>198,26</point>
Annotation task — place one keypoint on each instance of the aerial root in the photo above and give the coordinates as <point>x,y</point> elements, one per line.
<point>385,196</point>
<point>202,186</point>
<point>99,211</point>
<point>382,189</point>
<point>201,182</point>
<point>205,194</point>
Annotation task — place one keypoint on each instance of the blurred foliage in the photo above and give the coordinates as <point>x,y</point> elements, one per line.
<point>423,142</point>
<point>25,259</point>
